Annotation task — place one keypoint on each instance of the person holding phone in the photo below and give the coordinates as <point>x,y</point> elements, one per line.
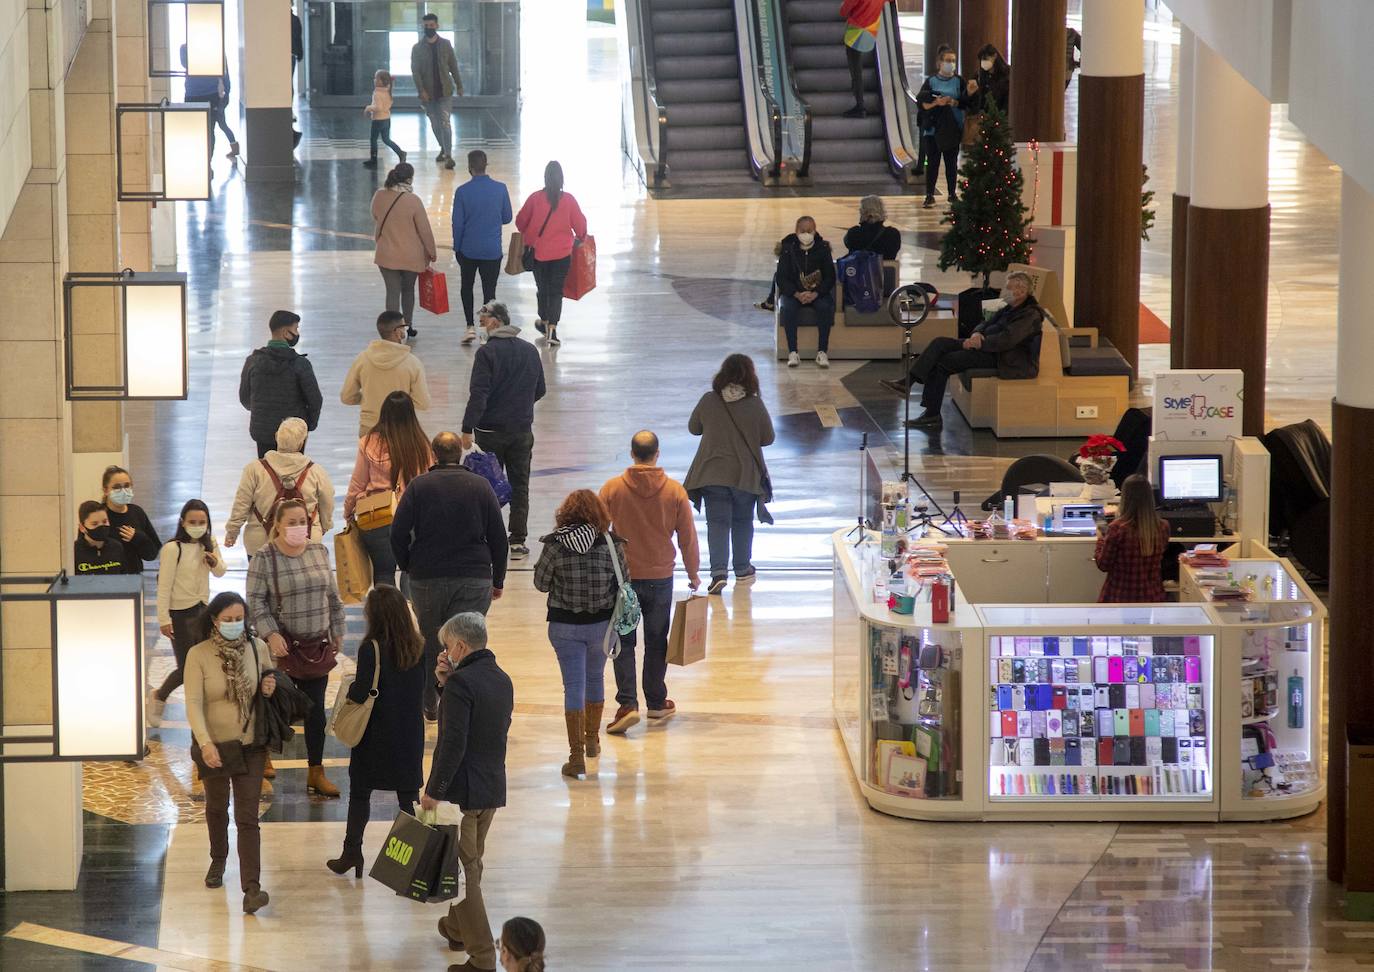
<point>943,100</point>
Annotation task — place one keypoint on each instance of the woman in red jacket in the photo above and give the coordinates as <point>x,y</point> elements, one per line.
<point>860,36</point>
<point>552,223</point>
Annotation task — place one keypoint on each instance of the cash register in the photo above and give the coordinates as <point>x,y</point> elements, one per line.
<point>1187,484</point>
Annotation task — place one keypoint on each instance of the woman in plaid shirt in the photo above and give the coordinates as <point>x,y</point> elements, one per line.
<point>1130,549</point>
<point>293,571</point>
<point>576,571</point>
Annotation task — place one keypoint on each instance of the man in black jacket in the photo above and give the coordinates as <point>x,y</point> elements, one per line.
<point>507,379</point>
<point>279,383</point>
<point>469,769</point>
<point>447,535</point>
<point>1008,341</point>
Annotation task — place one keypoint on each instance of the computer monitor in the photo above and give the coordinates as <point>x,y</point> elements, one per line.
<point>1190,479</point>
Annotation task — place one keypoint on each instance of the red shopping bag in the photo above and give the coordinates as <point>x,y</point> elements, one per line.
<point>434,292</point>
<point>581,279</point>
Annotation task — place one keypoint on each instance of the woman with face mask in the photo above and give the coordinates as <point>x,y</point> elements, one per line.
<point>992,88</point>
<point>97,552</point>
<point>405,241</point>
<point>128,523</point>
<point>806,278</point>
<point>294,605</point>
<point>942,99</point>
<point>183,588</point>
<point>224,676</point>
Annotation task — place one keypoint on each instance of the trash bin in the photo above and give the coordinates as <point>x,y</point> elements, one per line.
<point>1359,822</point>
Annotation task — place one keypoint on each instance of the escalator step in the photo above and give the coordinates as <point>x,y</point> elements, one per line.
<point>706,113</point>
<point>691,20</point>
<point>839,127</point>
<point>828,34</point>
<point>823,173</point>
<point>699,160</point>
<point>695,44</point>
<point>657,5</point>
<point>828,103</point>
<point>840,150</point>
<point>821,79</point>
<point>800,11</point>
<point>829,57</point>
<point>712,66</point>
<point>718,137</point>
<point>687,90</point>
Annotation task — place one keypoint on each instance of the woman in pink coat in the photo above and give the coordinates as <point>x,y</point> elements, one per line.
<point>405,242</point>
<point>552,223</point>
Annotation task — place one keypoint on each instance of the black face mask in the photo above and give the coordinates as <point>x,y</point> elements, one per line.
<point>294,339</point>
<point>431,31</point>
<point>99,533</point>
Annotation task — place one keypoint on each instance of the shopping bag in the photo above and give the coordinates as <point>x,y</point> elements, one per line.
<point>687,636</point>
<point>352,567</point>
<point>581,279</point>
<point>861,273</point>
<point>434,292</point>
<point>448,882</point>
<point>489,468</point>
<point>515,254</point>
<point>411,852</point>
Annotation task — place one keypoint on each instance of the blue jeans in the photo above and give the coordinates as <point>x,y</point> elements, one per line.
<point>822,311</point>
<point>729,519</point>
<point>582,660</point>
<point>440,112</point>
<point>656,605</point>
<point>436,599</point>
<point>378,545</point>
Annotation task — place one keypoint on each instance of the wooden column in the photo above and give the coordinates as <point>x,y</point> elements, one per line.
<point>1182,196</point>
<point>941,27</point>
<point>981,22</point>
<point>1178,275</point>
<point>1037,80</point>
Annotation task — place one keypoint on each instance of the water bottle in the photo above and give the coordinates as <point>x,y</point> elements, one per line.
<point>1295,701</point>
<point>1009,508</point>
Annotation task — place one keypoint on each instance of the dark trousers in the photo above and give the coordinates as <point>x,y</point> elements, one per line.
<point>217,118</point>
<point>729,523</point>
<point>381,130</point>
<point>656,606</point>
<point>548,284</point>
<point>469,269</point>
<point>935,154</point>
<point>400,291</point>
<point>360,811</point>
<point>264,448</point>
<point>189,626</point>
<point>436,599</point>
<point>944,356</point>
<point>314,720</point>
<point>377,542</point>
<point>790,309</point>
<point>514,450</point>
<point>246,789</point>
<point>856,74</point>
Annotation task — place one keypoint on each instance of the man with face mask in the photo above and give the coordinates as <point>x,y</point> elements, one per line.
<point>434,67</point>
<point>97,551</point>
<point>806,277</point>
<point>279,383</point>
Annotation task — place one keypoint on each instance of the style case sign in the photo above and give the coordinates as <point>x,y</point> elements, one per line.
<point>1198,405</point>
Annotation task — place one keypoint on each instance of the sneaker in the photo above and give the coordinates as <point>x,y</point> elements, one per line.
<point>856,112</point>
<point>449,163</point>
<point>716,586</point>
<point>625,717</point>
<point>746,576</point>
<point>793,359</point>
<point>667,712</point>
<point>765,305</point>
<point>440,157</point>
<point>518,551</point>
<point>926,420</point>
<point>900,387</point>
<point>154,710</point>
<point>470,336</point>
<point>411,332</point>
<point>370,164</point>
<point>929,203</point>
<point>822,360</point>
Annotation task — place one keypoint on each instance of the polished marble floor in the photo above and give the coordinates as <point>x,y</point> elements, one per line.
<point>732,837</point>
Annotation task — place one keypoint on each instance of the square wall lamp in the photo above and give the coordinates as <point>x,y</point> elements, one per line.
<point>201,23</point>
<point>147,313</point>
<point>184,132</point>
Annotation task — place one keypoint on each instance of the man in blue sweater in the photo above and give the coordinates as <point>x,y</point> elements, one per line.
<point>507,379</point>
<point>214,92</point>
<point>481,206</point>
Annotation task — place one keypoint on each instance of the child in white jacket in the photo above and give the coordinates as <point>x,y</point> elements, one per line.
<point>380,113</point>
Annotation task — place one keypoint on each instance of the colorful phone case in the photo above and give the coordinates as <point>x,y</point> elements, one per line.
<point>1042,752</point>
<point>1106,750</point>
<point>1023,725</point>
<point>1121,722</point>
<point>1050,645</point>
<point>1147,696</point>
<point>1121,751</point>
<point>1131,668</point>
<point>1137,750</point>
<point>1059,697</point>
<point>1102,697</point>
<point>1166,722</point>
<point>1054,725</point>
<point>1038,724</point>
<point>1057,670</point>
<point>1193,668</point>
<point>1004,697</point>
<point>1082,646</point>
<point>1116,696</point>
<point>1132,696</point>
<point>1105,722</point>
<point>1151,722</point>
<point>1136,719</point>
<point>1073,752</point>
<point>1009,724</point>
<point>1116,669</point>
<point>1100,669</point>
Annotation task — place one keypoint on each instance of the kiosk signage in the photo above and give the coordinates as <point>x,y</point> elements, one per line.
<point>1198,406</point>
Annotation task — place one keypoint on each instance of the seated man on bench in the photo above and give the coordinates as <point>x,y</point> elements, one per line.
<point>806,278</point>
<point>1008,341</point>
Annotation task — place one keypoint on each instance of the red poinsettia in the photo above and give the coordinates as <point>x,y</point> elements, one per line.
<point>1100,446</point>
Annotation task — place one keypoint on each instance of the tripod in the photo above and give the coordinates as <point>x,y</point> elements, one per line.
<point>861,526</point>
<point>924,518</point>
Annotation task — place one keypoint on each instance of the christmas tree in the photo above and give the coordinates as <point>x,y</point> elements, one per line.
<point>987,223</point>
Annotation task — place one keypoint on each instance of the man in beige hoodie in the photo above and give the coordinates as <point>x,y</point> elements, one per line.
<point>647,509</point>
<point>386,365</point>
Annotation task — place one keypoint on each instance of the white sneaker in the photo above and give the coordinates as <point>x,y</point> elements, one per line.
<point>153,710</point>
<point>793,360</point>
<point>822,360</point>
<point>470,336</point>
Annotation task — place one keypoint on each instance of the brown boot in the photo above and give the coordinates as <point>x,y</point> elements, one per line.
<point>269,772</point>
<point>576,765</point>
<point>317,782</point>
<point>591,727</point>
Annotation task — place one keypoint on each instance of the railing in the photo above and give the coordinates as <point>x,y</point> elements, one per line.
<point>792,125</point>
<point>644,118</point>
<point>898,100</point>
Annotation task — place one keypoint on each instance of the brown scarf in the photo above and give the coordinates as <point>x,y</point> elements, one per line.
<point>231,659</point>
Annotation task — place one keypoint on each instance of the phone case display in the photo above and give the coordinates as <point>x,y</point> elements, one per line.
<point>1099,717</point>
<point>914,712</point>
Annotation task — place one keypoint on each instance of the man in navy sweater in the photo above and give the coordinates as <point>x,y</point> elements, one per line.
<point>507,379</point>
<point>481,206</point>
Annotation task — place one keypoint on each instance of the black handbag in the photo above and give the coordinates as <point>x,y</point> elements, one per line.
<point>527,258</point>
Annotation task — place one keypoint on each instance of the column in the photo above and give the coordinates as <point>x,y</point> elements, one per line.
<point>1183,189</point>
<point>1111,117</point>
<point>265,70</point>
<point>1227,274</point>
<point>1351,677</point>
<point>981,22</point>
<point>941,27</point>
<point>1037,79</point>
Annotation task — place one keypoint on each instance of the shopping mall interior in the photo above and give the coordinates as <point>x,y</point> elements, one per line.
<point>916,739</point>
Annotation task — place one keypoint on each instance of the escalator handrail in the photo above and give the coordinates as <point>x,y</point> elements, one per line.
<point>899,142</point>
<point>655,112</point>
<point>755,26</point>
<point>804,168</point>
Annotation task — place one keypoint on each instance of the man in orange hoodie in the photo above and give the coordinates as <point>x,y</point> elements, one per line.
<point>647,508</point>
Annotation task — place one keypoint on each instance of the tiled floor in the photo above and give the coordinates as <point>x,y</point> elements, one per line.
<point>732,837</point>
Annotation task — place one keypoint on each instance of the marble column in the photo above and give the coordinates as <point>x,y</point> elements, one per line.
<point>1037,83</point>
<point>1227,276</point>
<point>1351,676</point>
<point>941,27</point>
<point>265,70</point>
<point>1111,116</point>
<point>980,22</point>
<point>1183,189</point>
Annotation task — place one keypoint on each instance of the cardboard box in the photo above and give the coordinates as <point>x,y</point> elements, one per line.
<point>1049,172</point>
<point>1054,249</point>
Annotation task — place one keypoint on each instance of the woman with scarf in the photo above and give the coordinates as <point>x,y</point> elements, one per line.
<point>224,676</point>
<point>405,242</point>
<point>728,471</point>
<point>806,278</point>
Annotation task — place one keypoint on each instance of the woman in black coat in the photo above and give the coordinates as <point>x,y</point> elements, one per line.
<point>391,752</point>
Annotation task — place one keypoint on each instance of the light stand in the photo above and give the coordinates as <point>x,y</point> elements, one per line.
<point>955,518</point>
<point>908,307</point>
<point>860,526</point>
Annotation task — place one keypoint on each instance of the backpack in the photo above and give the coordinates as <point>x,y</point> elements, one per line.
<point>292,492</point>
<point>862,274</point>
<point>625,614</point>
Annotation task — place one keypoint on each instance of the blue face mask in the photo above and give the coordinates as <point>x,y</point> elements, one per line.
<point>231,630</point>
<point>122,496</point>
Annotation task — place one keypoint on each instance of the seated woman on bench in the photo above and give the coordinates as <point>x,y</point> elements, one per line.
<point>873,234</point>
<point>806,278</point>
<point>1006,341</point>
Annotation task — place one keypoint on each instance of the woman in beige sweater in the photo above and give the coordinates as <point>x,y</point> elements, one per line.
<point>405,241</point>
<point>224,675</point>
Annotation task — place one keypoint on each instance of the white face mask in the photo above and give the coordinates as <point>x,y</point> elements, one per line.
<point>987,63</point>
<point>195,532</point>
<point>806,239</point>
<point>946,68</point>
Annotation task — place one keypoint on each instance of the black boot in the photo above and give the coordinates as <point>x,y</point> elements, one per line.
<point>370,163</point>
<point>351,857</point>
